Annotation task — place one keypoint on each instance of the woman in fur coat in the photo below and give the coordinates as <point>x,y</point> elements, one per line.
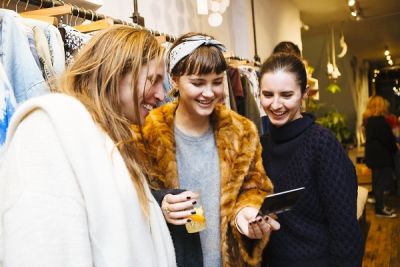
<point>209,153</point>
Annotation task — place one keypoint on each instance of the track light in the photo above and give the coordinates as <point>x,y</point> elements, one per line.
<point>355,9</point>
<point>388,56</point>
<point>351,2</point>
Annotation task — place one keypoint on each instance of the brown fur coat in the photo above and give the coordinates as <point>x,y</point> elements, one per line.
<point>243,179</point>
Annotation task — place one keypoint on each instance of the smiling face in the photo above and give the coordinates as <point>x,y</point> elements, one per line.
<point>150,91</point>
<point>198,94</point>
<point>281,97</point>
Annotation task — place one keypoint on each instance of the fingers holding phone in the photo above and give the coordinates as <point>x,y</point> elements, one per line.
<point>255,226</point>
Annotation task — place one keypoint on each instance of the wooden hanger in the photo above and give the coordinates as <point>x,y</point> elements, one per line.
<point>44,18</point>
<point>95,26</point>
<point>47,19</point>
<point>51,11</point>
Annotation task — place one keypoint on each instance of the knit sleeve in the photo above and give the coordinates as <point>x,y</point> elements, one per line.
<point>337,186</point>
<point>42,212</point>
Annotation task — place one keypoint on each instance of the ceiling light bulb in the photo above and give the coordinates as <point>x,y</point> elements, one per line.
<point>351,2</point>
<point>214,19</point>
<point>388,57</point>
<point>354,13</point>
<point>387,52</point>
<point>390,62</point>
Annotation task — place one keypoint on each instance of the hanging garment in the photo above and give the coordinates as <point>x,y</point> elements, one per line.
<point>250,108</point>
<point>7,105</point>
<point>31,41</point>
<point>74,40</point>
<point>252,76</point>
<point>43,51</point>
<point>54,41</point>
<point>19,64</point>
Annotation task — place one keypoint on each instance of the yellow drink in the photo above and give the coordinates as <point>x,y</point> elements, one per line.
<point>198,221</point>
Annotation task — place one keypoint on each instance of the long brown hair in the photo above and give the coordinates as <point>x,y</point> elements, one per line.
<point>94,78</point>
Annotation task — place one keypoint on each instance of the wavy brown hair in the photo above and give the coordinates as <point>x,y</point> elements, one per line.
<point>94,78</point>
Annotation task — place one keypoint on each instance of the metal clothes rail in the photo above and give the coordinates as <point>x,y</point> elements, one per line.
<point>92,15</point>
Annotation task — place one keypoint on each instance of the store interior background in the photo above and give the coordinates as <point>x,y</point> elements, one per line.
<point>278,20</point>
<point>309,24</point>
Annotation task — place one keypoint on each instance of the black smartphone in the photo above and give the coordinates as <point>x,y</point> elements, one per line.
<point>280,202</point>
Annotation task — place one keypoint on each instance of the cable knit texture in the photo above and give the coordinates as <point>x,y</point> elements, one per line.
<point>243,180</point>
<point>322,229</point>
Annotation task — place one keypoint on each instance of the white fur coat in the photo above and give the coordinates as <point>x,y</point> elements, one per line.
<point>66,198</point>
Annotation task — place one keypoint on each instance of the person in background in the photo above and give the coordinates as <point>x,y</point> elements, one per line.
<point>380,150</point>
<point>211,153</point>
<point>71,190</point>
<point>321,229</point>
<point>287,47</point>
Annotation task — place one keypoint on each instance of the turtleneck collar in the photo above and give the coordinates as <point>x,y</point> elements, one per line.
<point>291,129</point>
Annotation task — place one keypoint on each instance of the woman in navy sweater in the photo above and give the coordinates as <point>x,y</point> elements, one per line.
<point>322,229</point>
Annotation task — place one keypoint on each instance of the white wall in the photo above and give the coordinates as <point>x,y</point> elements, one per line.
<point>276,21</point>
<point>170,16</point>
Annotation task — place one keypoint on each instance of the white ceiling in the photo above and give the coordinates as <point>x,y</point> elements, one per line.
<point>367,37</point>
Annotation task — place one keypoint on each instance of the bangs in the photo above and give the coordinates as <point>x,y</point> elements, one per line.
<point>204,60</point>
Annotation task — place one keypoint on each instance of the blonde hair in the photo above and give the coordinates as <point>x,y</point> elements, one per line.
<point>95,77</point>
<point>376,106</point>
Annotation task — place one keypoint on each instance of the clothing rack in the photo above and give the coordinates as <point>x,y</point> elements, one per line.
<point>93,16</point>
<point>245,60</point>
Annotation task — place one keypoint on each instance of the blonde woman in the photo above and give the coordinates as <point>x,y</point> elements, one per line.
<point>380,149</point>
<point>71,192</point>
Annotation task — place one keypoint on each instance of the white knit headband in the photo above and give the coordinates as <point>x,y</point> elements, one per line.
<point>188,46</point>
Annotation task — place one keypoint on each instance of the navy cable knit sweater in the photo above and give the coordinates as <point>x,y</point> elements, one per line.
<point>322,228</point>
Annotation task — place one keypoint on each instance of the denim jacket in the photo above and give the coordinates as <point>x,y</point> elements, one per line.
<point>54,42</point>
<point>7,105</point>
<point>19,64</point>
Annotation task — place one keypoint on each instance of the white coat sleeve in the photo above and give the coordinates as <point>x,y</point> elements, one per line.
<point>43,216</point>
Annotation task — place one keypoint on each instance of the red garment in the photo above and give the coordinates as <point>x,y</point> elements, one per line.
<point>234,77</point>
<point>392,120</point>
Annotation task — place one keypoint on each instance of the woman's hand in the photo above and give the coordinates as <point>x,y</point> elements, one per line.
<point>177,208</point>
<point>254,226</point>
